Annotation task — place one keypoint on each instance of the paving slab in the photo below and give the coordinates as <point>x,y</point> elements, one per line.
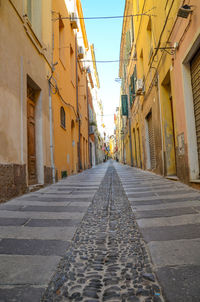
<point>180,284</point>
<point>175,252</point>
<point>52,222</point>
<point>12,221</point>
<point>185,231</point>
<point>40,215</point>
<point>27,269</point>
<point>184,204</point>
<point>42,233</point>
<point>165,212</point>
<point>33,247</point>
<point>21,294</point>
<point>169,221</point>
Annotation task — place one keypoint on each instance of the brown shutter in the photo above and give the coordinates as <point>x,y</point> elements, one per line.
<point>195,76</point>
<point>151,142</point>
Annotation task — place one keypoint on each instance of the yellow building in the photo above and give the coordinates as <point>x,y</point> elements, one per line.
<point>25,135</point>
<point>147,55</point>
<point>69,89</point>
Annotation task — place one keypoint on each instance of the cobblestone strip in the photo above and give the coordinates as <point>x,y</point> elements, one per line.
<point>107,260</point>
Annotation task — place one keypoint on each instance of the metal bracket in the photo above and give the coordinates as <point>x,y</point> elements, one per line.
<point>170,50</point>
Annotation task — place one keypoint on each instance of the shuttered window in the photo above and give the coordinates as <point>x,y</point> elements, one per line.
<point>62,117</point>
<point>132,86</point>
<point>195,76</point>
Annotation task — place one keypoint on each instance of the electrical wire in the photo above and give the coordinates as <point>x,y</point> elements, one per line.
<point>67,104</point>
<point>106,17</point>
<point>102,17</point>
<point>109,61</point>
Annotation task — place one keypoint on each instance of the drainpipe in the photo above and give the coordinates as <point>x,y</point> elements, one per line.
<point>89,164</point>
<point>161,129</point>
<point>77,108</point>
<point>50,112</point>
<point>51,133</point>
<point>130,135</point>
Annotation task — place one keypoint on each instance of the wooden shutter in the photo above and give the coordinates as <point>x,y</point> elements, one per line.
<point>195,76</point>
<point>151,141</point>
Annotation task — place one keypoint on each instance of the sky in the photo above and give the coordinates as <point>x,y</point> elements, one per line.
<point>105,34</point>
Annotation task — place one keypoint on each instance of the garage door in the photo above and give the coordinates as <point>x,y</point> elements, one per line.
<point>195,76</point>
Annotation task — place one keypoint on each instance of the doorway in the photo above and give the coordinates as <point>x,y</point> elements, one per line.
<point>169,127</point>
<point>31,138</point>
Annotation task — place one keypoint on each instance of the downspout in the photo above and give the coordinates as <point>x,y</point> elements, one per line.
<point>50,114</point>
<point>51,133</point>
<point>21,101</point>
<point>130,135</point>
<point>161,129</point>
<point>77,107</point>
<point>89,164</point>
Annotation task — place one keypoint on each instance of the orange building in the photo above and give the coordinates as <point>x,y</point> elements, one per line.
<point>68,86</point>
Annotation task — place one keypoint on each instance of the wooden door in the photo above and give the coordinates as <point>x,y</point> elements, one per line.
<point>32,173</point>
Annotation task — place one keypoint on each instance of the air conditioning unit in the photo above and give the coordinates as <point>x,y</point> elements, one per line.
<point>73,20</point>
<point>80,52</point>
<point>139,86</point>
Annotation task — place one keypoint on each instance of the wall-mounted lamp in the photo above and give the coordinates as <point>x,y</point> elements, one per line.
<point>184,11</point>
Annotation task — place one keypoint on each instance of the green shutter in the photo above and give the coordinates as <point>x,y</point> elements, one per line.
<point>124,104</point>
<point>133,81</point>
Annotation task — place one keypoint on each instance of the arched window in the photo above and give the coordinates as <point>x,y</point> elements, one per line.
<point>62,117</point>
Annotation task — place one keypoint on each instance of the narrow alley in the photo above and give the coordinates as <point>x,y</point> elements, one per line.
<point>110,233</point>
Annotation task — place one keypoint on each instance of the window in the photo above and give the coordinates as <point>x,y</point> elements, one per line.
<point>149,37</point>
<point>61,41</point>
<point>29,10</point>
<point>62,117</point>
<point>72,65</point>
<point>133,80</point>
<point>34,14</point>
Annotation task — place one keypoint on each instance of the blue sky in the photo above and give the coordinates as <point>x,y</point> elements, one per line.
<point>106,36</point>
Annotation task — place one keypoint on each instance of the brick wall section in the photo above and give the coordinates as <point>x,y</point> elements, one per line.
<point>12,181</point>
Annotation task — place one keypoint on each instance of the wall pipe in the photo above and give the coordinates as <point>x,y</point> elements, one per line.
<point>77,107</point>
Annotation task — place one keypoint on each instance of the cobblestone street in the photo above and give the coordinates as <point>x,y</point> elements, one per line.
<point>111,233</point>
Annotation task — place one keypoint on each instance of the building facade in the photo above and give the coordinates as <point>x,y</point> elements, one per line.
<point>159,71</point>
<point>25,134</point>
<point>44,94</point>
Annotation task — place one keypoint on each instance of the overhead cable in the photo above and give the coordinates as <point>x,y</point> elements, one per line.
<point>107,17</point>
<point>108,61</point>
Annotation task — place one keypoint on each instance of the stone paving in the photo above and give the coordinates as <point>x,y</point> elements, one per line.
<point>107,260</point>
<point>36,230</point>
<point>112,233</point>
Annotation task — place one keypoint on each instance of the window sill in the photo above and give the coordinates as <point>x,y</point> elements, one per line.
<point>64,128</point>
<point>73,84</point>
<point>61,61</point>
